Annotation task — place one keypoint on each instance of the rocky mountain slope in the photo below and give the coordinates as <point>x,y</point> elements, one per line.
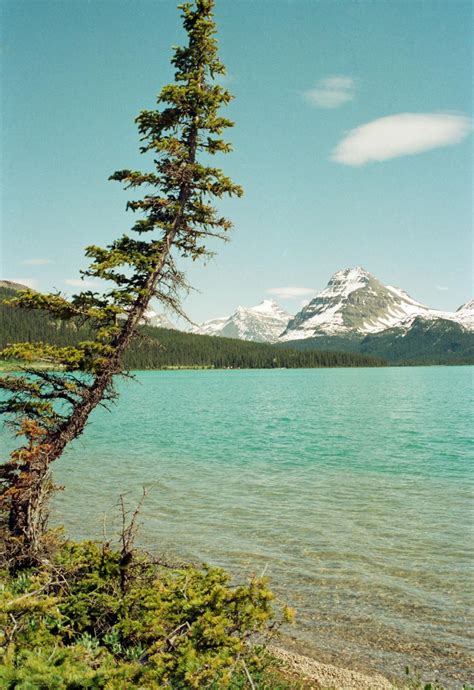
<point>165,348</point>
<point>355,313</point>
<point>153,318</point>
<point>426,341</point>
<point>262,323</point>
<point>356,303</point>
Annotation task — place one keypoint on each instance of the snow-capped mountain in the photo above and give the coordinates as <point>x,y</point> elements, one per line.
<point>152,318</point>
<point>465,315</point>
<point>356,303</point>
<point>211,327</point>
<point>262,323</point>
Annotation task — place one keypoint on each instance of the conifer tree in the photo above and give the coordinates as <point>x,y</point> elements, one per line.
<point>176,217</point>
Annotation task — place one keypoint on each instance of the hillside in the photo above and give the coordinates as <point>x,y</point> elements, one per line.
<point>163,348</point>
<point>356,313</point>
<point>426,342</point>
<point>263,323</point>
<point>355,304</point>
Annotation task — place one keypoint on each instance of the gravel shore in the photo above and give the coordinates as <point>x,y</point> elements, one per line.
<point>328,676</point>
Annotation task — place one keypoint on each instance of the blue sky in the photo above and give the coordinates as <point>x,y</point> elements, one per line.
<point>352,141</point>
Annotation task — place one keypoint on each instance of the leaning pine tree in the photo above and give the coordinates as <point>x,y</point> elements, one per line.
<point>51,408</point>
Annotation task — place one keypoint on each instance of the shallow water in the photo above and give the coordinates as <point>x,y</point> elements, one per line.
<point>351,488</point>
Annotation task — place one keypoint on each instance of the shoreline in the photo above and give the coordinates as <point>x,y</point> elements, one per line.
<point>321,675</point>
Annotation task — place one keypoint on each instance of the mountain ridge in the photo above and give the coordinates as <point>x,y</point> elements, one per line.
<point>162,348</point>
<point>355,313</point>
<point>355,302</point>
<point>262,323</point>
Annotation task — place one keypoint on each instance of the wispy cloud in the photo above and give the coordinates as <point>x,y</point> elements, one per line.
<point>77,282</point>
<point>36,262</point>
<point>28,282</point>
<point>291,292</point>
<point>400,135</point>
<point>330,92</point>
<point>442,288</point>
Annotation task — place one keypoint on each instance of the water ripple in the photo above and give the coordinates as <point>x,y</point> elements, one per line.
<point>352,488</point>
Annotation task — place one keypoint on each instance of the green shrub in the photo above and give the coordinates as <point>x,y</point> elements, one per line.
<point>77,623</point>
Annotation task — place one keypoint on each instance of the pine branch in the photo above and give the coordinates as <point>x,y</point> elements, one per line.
<point>178,216</point>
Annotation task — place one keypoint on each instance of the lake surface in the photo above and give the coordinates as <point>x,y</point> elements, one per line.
<point>350,488</point>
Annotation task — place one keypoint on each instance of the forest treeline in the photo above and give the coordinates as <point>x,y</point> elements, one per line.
<point>159,348</point>
<point>425,343</point>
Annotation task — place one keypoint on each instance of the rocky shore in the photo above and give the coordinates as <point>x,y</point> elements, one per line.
<point>328,676</point>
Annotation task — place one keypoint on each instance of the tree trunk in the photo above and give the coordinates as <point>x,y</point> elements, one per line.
<point>27,514</point>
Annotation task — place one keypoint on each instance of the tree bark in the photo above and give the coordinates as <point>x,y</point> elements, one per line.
<point>27,518</point>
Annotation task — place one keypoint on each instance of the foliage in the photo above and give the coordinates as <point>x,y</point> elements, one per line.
<point>427,342</point>
<point>176,218</point>
<point>160,348</point>
<point>69,624</point>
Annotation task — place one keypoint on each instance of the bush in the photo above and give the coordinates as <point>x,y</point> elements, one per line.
<point>77,622</point>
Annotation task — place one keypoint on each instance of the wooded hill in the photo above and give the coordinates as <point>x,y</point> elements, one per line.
<point>427,342</point>
<point>162,348</point>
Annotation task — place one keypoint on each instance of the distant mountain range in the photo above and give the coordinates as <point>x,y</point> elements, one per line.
<point>153,318</point>
<point>354,303</point>
<point>357,313</point>
<point>263,323</point>
<point>354,313</point>
<point>161,347</point>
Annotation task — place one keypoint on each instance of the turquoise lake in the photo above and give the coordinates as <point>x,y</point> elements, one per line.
<point>350,488</point>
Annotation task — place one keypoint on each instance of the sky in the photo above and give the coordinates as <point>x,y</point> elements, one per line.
<point>352,140</point>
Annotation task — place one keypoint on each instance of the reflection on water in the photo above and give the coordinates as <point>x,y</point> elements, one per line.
<point>350,487</point>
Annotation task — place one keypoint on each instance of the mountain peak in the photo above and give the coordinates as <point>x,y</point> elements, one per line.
<point>262,323</point>
<point>356,303</point>
<point>352,273</point>
<point>267,306</point>
<point>348,280</point>
<point>353,304</point>
<point>357,276</point>
<point>152,318</point>
<point>467,307</point>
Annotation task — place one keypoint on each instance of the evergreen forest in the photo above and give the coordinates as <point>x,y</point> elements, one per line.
<point>160,348</point>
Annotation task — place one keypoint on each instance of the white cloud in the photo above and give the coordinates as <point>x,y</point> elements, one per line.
<point>77,282</point>
<point>400,135</point>
<point>290,292</point>
<point>338,82</point>
<point>442,288</point>
<point>330,92</point>
<point>28,282</point>
<point>36,262</point>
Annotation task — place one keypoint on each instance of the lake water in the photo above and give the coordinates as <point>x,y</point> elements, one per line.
<point>351,488</point>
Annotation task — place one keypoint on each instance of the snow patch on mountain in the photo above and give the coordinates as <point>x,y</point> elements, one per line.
<point>465,315</point>
<point>355,302</point>
<point>152,318</point>
<point>262,323</point>
<point>211,327</point>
